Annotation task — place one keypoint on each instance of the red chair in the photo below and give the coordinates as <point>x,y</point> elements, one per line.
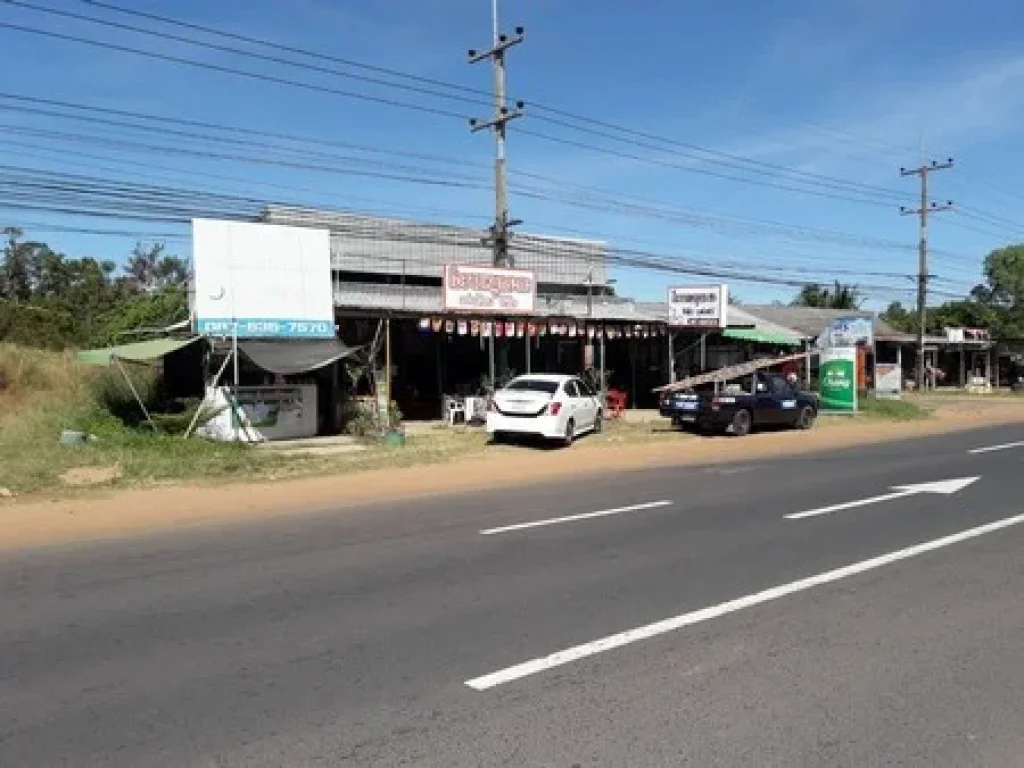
<point>616,400</point>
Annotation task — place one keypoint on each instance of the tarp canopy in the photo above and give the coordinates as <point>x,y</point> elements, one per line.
<point>295,355</point>
<point>761,336</point>
<point>136,352</point>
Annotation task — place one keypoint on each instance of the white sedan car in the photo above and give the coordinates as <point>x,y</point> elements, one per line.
<point>552,406</point>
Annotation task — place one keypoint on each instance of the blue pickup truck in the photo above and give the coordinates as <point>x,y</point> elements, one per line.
<point>766,400</point>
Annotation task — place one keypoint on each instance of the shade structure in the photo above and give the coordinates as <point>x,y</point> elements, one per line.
<point>761,336</point>
<point>136,352</point>
<point>294,356</point>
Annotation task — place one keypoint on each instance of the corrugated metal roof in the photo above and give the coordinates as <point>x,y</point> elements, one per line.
<point>737,317</point>
<point>427,300</point>
<point>811,321</point>
<point>395,246</point>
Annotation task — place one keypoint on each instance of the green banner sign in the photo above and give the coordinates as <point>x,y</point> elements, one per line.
<point>838,380</point>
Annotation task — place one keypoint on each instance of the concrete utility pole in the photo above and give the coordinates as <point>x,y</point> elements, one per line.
<point>498,122</point>
<point>922,212</point>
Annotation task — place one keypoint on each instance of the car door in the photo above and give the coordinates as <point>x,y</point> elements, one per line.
<point>786,403</point>
<point>572,403</point>
<point>588,402</point>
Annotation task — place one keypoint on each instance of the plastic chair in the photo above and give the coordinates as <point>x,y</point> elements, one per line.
<point>616,402</point>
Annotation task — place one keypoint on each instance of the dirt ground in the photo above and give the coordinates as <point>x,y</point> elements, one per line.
<point>109,514</point>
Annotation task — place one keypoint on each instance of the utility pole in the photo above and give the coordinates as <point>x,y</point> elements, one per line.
<point>922,212</point>
<point>498,122</point>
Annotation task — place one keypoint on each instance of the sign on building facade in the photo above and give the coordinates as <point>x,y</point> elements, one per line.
<point>268,280</point>
<point>489,290</point>
<point>847,332</point>
<point>703,307</point>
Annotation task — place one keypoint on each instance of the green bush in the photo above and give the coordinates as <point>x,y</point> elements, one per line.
<point>113,396</point>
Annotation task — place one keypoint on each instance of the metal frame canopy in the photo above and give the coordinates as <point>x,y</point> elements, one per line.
<point>139,352</point>
<point>134,352</point>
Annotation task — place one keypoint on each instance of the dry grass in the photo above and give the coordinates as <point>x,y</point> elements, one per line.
<point>43,393</point>
<point>47,392</point>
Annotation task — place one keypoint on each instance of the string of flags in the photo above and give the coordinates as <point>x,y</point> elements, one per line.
<point>519,330</point>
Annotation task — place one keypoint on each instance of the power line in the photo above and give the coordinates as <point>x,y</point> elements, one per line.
<point>228,70</point>
<point>78,195</point>
<point>228,49</point>
<point>605,204</point>
<point>705,171</point>
<point>590,125</point>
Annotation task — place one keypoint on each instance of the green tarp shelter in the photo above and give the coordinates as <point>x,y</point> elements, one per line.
<point>136,352</point>
<point>761,336</point>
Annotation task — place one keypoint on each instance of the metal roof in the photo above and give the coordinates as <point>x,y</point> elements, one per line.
<point>426,300</point>
<point>387,246</point>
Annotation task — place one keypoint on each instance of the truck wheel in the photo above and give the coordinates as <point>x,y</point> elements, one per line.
<point>807,418</point>
<point>741,423</point>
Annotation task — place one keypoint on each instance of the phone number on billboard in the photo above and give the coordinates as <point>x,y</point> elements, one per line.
<point>269,327</point>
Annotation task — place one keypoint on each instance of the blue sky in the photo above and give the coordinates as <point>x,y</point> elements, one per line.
<point>848,89</point>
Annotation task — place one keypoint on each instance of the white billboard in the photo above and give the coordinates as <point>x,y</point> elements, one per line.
<point>698,306</point>
<point>847,332</point>
<point>489,290</point>
<point>271,281</point>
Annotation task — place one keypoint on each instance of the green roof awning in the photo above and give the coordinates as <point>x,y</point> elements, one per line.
<point>761,336</point>
<point>137,352</point>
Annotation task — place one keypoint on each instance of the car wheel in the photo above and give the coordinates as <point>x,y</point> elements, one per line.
<point>807,418</point>
<point>570,433</point>
<point>741,423</point>
<point>498,438</point>
<point>598,423</point>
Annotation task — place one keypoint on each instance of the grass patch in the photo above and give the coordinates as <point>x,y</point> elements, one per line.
<point>892,410</point>
<point>42,393</point>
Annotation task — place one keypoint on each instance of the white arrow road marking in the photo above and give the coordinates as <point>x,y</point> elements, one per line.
<point>574,518</point>
<point>1003,447</point>
<point>943,487</point>
<point>612,642</point>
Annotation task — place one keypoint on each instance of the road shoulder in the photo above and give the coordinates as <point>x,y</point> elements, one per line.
<point>116,514</point>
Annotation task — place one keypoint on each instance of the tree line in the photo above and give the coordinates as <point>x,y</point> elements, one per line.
<point>996,304</point>
<point>48,299</point>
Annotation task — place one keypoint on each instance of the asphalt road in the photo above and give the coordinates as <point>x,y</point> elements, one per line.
<point>398,635</point>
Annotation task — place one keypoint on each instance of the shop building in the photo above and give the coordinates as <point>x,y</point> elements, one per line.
<point>395,271</point>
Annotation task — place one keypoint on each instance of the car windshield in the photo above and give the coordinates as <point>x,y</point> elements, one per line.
<point>533,385</point>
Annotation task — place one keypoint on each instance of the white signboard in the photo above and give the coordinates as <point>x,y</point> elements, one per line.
<point>489,290</point>
<point>698,306</point>
<point>260,413</point>
<point>888,381</point>
<point>272,281</point>
<point>846,332</point>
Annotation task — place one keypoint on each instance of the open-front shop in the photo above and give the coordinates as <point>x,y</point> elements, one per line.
<point>488,325</point>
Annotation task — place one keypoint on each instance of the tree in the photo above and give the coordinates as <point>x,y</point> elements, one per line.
<point>148,269</point>
<point>1003,291</point>
<point>50,300</point>
<point>17,285</point>
<point>899,317</point>
<point>839,296</point>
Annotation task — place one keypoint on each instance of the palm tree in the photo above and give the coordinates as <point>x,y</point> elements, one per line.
<point>839,296</point>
